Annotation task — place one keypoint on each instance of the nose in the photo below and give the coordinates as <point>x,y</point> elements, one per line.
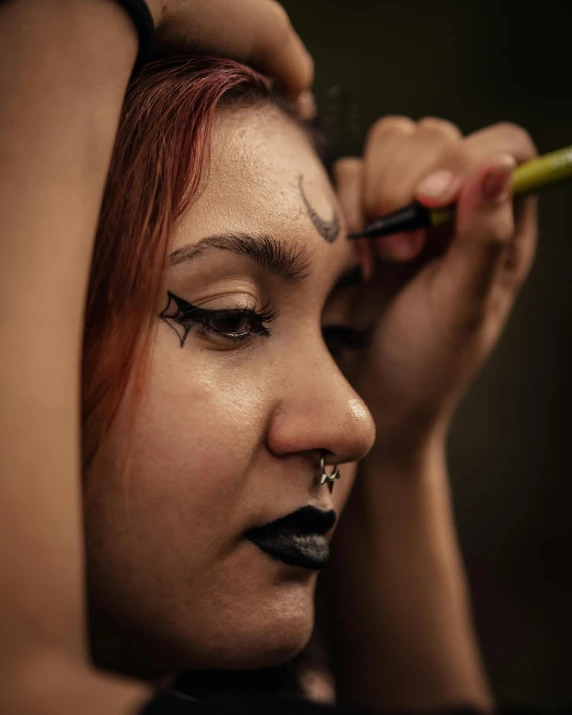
<point>319,410</point>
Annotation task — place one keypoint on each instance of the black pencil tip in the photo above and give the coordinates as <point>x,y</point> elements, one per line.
<point>406,219</point>
<point>373,230</point>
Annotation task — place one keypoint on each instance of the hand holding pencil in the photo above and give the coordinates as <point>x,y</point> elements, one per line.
<point>538,174</point>
<point>437,305</point>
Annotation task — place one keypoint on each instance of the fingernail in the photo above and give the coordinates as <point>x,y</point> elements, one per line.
<point>436,184</point>
<point>306,105</point>
<point>497,183</point>
<point>401,246</point>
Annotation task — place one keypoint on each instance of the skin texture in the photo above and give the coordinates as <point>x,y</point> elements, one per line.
<point>228,435</point>
<point>63,61</point>
<point>62,84</point>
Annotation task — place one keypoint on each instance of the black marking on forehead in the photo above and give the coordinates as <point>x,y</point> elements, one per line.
<point>328,230</point>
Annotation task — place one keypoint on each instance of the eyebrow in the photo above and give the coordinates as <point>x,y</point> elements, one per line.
<point>289,262</point>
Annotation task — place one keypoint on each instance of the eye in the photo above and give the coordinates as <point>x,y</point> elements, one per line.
<point>231,325</point>
<point>234,323</point>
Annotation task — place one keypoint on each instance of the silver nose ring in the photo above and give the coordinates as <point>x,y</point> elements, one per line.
<point>329,478</point>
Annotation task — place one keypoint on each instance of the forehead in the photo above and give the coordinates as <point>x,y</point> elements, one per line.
<point>263,174</point>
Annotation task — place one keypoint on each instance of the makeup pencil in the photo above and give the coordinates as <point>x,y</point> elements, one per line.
<point>531,177</point>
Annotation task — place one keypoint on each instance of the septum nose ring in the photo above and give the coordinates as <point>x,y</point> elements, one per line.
<point>329,478</point>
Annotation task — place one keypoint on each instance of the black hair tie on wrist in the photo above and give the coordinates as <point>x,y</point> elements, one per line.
<point>141,16</point>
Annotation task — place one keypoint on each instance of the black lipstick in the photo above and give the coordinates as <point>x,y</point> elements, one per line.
<point>297,539</point>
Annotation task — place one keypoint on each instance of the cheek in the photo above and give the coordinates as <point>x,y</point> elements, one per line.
<point>183,504</point>
<point>197,431</point>
<point>166,550</point>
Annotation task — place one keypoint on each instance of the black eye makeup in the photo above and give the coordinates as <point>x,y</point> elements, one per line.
<point>230,325</point>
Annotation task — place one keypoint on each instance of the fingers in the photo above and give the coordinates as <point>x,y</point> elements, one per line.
<point>279,52</point>
<point>399,153</point>
<point>441,187</point>
<point>306,105</point>
<point>484,232</point>
<point>514,140</point>
<point>255,32</point>
<point>504,137</point>
<point>383,157</point>
<point>349,178</point>
<point>522,252</point>
<point>429,161</point>
<point>500,139</point>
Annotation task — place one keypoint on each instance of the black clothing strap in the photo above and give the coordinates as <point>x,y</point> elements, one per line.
<point>170,703</point>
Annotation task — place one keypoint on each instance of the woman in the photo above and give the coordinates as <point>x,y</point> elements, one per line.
<point>233,357</point>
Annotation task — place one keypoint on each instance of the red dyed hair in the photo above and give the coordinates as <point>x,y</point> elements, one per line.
<point>160,156</point>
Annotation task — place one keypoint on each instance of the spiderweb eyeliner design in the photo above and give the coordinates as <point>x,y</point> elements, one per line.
<point>182,318</point>
<point>328,230</point>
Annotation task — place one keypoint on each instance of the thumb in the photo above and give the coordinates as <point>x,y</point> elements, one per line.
<point>484,232</point>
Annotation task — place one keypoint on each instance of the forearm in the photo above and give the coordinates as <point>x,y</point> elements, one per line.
<point>59,686</point>
<point>406,640</point>
<point>65,67</point>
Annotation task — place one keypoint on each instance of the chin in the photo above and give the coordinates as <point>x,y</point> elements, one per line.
<point>264,638</point>
<point>279,648</point>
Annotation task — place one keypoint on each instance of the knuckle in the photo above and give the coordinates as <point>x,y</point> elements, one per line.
<point>348,168</point>
<point>391,124</point>
<point>304,76</point>
<point>510,128</point>
<point>440,127</point>
<point>380,200</point>
<point>454,155</point>
<point>281,17</point>
<point>519,135</point>
<point>280,40</point>
<point>280,32</point>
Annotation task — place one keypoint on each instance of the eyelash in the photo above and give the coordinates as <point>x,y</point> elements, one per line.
<point>335,336</point>
<point>206,321</point>
<point>190,316</point>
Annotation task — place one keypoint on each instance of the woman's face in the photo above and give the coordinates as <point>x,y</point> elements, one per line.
<point>236,412</point>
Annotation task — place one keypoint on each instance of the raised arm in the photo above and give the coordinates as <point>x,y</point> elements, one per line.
<point>63,74</point>
<point>64,70</point>
<point>438,303</point>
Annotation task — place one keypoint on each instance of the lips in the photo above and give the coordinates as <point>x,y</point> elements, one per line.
<point>297,539</point>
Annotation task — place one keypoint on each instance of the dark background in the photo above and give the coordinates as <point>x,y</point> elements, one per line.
<point>477,62</point>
